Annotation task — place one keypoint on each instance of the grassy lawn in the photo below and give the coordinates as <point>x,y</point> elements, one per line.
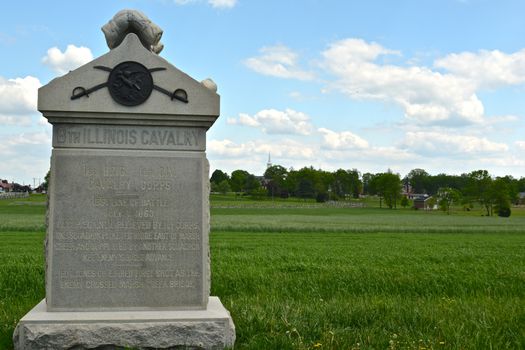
<point>302,276</point>
<point>22,226</point>
<point>377,291</point>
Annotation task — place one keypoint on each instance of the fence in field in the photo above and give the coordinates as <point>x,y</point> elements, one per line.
<point>269,205</point>
<point>11,195</point>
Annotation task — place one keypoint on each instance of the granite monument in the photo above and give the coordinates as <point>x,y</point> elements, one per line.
<point>127,252</point>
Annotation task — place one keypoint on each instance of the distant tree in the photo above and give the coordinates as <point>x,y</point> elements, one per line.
<point>512,185</point>
<point>276,177</point>
<point>45,184</point>
<point>405,202</point>
<point>323,181</point>
<point>346,182</point>
<point>391,189</point>
<point>307,182</point>
<point>479,189</point>
<point>291,182</point>
<point>367,180</point>
<point>388,186</point>
<point>258,193</point>
<point>251,184</point>
<point>321,197</point>
<point>357,184</point>
<point>275,172</point>
<point>219,176</point>
<point>418,180</point>
<point>243,181</point>
<point>238,180</point>
<point>305,189</point>
<point>223,187</point>
<point>446,197</point>
<point>520,188</point>
<point>501,196</point>
<point>521,184</point>
<point>443,180</point>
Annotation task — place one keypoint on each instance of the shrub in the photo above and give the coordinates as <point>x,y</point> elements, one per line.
<point>404,202</point>
<point>321,197</point>
<point>504,212</point>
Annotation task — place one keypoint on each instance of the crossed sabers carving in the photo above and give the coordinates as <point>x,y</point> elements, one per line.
<point>178,94</point>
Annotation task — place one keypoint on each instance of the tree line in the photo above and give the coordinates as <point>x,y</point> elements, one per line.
<point>493,194</point>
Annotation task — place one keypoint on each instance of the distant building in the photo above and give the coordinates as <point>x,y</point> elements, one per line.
<point>422,201</point>
<point>265,183</point>
<point>6,186</point>
<point>521,198</point>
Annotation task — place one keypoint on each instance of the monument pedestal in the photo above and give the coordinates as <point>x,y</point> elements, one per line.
<point>211,328</point>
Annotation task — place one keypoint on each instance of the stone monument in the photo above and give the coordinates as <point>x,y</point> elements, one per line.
<point>127,252</point>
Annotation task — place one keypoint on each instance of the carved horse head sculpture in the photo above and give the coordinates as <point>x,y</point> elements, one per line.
<point>133,21</point>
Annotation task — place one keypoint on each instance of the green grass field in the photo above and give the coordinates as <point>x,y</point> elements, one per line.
<point>304,276</point>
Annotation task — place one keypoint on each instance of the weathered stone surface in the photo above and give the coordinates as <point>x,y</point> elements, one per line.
<point>210,84</point>
<point>128,230</point>
<point>55,103</point>
<point>129,137</point>
<point>211,328</point>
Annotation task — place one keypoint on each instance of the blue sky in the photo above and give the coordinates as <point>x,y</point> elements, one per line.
<point>372,85</point>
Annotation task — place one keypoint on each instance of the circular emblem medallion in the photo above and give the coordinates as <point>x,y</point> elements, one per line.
<point>130,83</point>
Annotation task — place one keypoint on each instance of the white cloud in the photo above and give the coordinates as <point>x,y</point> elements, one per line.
<point>425,95</point>
<point>390,155</point>
<point>72,58</point>
<point>342,140</point>
<point>11,144</point>
<point>296,95</point>
<point>372,159</point>
<point>500,165</point>
<point>23,168</point>
<point>503,119</point>
<point>432,151</point>
<point>450,145</point>
<point>488,69</point>
<point>252,156</point>
<point>245,119</point>
<point>226,148</point>
<point>19,95</point>
<point>273,121</point>
<point>213,3</point>
<point>278,61</point>
<point>347,147</point>
<point>25,156</point>
<point>21,120</point>
<point>42,121</point>
<point>222,3</point>
<point>288,149</point>
<point>18,100</point>
<point>520,145</point>
<point>358,50</point>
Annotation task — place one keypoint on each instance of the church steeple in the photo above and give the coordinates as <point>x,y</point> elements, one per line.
<point>269,164</point>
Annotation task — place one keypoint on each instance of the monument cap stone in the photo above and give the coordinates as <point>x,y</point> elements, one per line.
<point>55,100</point>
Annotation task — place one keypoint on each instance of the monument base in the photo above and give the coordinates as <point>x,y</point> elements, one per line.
<point>212,328</point>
